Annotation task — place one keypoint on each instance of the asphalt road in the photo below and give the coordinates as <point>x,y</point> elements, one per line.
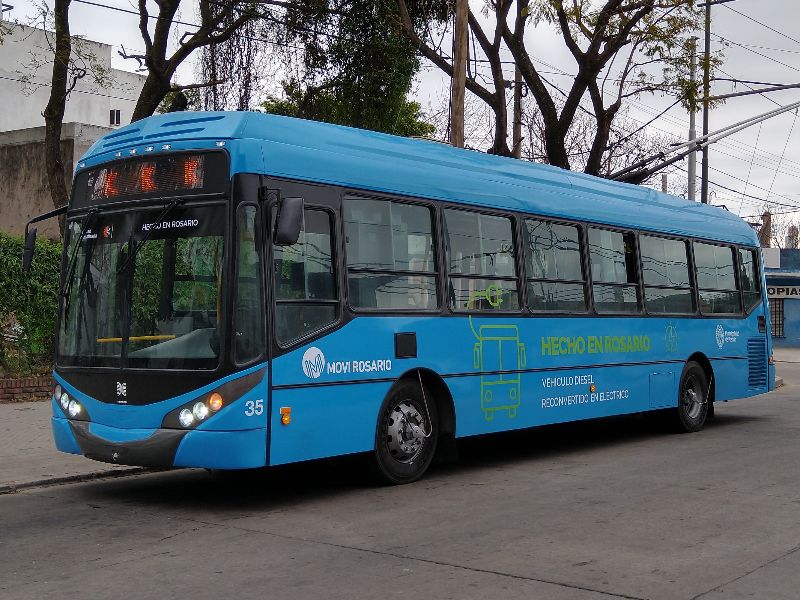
<point>618,508</point>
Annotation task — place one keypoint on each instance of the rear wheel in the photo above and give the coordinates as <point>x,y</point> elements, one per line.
<point>692,411</point>
<point>407,433</point>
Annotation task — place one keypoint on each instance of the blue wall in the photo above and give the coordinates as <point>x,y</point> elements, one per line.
<point>789,275</point>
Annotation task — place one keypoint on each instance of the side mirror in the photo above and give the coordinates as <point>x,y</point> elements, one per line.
<point>29,249</point>
<point>289,221</point>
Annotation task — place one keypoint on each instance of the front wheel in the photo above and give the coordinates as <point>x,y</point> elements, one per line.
<point>407,433</point>
<point>692,411</point>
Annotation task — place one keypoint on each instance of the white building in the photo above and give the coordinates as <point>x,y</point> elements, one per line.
<point>25,71</point>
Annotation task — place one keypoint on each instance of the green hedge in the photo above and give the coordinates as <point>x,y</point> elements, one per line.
<point>30,300</point>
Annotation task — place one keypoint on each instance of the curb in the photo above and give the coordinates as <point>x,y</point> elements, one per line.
<point>13,488</point>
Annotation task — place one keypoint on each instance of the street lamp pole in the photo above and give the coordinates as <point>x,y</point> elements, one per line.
<point>707,93</point>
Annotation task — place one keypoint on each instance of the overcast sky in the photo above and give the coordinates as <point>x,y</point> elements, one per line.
<point>762,161</point>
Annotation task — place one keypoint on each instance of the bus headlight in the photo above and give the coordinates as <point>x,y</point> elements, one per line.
<point>200,411</point>
<point>73,408</point>
<point>186,418</point>
<point>64,401</point>
<point>57,393</point>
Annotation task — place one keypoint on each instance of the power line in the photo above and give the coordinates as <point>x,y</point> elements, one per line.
<point>762,24</point>
<point>75,91</point>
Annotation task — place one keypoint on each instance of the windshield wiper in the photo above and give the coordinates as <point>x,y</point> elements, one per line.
<point>66,290</point>
<point>132,252</point>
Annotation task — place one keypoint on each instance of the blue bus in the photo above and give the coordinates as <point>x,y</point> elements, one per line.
<point>245,290</point>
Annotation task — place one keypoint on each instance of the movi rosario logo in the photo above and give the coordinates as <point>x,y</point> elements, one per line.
<point>314,365</point>
<point>313,362</point>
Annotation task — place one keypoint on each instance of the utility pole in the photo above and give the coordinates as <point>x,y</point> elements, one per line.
<point>460,51</point>
<point>692,111</point>
<point>517,129</point>
<point>707,91</point>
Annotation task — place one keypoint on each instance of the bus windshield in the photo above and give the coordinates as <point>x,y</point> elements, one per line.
<point>144,289</point>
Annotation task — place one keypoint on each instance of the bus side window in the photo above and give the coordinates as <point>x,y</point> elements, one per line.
<point>305,288</point>
<point>481,263</point>
<point>390,255</point>
<point>748,275</point>
<point>665,268</point>
<point>553,262</point>
<point>614,277</point>
<point>248,326</point>
<point>716,279</point>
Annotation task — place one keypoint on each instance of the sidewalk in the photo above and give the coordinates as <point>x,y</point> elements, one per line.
<point>28,456</point>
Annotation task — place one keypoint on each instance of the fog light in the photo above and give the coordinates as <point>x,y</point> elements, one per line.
<point>286,415</point>
<point>186,417</point>
<point>200,411</point>
<point>215,401</point>
<point>64,401</point>
<point>74,409</point>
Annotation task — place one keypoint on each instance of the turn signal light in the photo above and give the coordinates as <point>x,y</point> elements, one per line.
<point>592,388</point>
<point>286,415</point>
<point>215,401</point>
<point>771,359</point>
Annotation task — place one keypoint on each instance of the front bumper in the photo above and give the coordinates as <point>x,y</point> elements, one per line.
<point>163,448</point>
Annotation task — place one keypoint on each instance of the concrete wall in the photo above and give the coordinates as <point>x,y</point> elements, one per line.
<point>23,181</point>
<point>25,71</point>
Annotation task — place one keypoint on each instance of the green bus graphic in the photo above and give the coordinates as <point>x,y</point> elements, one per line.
<point>497,350</point>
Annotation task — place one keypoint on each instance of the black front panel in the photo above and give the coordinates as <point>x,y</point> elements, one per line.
<point>140,387</point>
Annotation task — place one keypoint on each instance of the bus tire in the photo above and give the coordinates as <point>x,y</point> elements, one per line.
<point>406,434</point>
<point>692,411</point>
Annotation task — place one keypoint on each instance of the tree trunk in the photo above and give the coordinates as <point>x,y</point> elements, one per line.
<point>154,90</point>
<point>54,111</point>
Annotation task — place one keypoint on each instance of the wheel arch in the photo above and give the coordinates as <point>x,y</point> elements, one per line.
<point>440,393</point>
<point>705,363</point>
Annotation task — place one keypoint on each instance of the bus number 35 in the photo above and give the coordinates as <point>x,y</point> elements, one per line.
<point>253,408</point>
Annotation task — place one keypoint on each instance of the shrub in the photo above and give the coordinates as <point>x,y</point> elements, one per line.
<point>28,305</point>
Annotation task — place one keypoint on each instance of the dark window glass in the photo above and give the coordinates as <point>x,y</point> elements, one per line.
<point>483,294</point>
<point>668,300</point>
<point>479,244</point>
<point>480,257</point>
<point>555,275</point>
<point>716,279</point>
<point>613,259</point>
<point>305,287</point>
<point>664,262</point>
<point>392,291</point>
<point>248,316</point>
<point>556,296</point>
<point>388,235</point>
<point>748,275</point>
<point>665,268</point>
<point>386,243</point>
<point>714,267</point>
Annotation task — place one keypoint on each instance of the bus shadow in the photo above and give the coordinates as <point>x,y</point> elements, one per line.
<point>289,485</point>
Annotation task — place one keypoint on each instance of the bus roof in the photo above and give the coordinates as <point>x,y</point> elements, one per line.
<point>356,158</point>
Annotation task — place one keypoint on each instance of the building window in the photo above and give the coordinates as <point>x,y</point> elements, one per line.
<point>776,317</point>
<point>114,117</point>
<point>390,259</point>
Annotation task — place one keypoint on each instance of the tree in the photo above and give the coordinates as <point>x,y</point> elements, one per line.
<point>325,105</point>
<point>219,20</point>
<point>348,63</point>
<point>621,49</point>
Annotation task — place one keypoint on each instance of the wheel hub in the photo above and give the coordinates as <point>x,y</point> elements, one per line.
<point>405,432</point>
